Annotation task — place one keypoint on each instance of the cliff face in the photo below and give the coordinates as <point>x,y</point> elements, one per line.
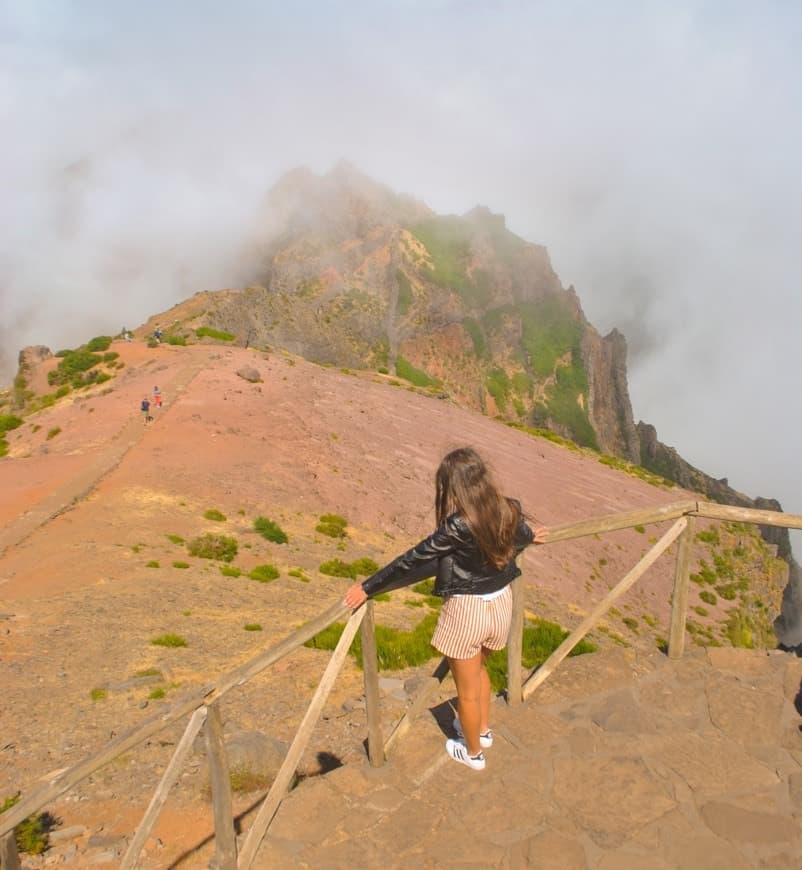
<point>666,461</point>
<point>353,274</point>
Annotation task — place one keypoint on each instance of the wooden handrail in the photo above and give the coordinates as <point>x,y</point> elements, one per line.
<point>197,702</point>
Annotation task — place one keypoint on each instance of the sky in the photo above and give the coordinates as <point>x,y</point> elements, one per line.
<point>655,148</point>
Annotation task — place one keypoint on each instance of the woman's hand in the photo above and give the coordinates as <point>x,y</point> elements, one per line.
<point>355,596</point>
<point>541,533</point>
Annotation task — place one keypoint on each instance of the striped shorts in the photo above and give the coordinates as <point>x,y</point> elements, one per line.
<point>469,622</point>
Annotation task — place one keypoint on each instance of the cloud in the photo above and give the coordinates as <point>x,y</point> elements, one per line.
<point>654,148</point>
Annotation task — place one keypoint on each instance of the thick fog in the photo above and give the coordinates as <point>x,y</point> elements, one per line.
<point>654,148</point>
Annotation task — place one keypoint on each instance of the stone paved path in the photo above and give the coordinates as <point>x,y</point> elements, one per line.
<point>620,762</point>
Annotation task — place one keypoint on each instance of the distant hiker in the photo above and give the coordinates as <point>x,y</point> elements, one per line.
<point>472,556</point>
<point>157,397</point>
<point>157,334</point>
<point>145,406</point>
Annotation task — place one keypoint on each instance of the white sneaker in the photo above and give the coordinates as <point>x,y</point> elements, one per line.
<point>485,740</point>
<point>459,752</point>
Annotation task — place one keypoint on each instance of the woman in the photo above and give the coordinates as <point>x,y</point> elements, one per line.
<point>472,556</point>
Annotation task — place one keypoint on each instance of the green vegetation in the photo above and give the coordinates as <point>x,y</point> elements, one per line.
<point>332,525</point>
<point>550,330</point>
<point>30,835</point>
<point>472,326</point>
<point>252,626</point>
<point>216,334</point>
<point>98,694</point>
<point>702,611</point>
<point>215,516</point>
<point>230,571</point>
<point>405,294</point>
<point>169,640</point>
<point>498,385</point>
<point>635,470</point>
<point>299,574</point>
<point>708,597</point>
<point>210,546</point>
<point>270,530</point>
<point>405,369</point>
<point>182,565</point>
<point>156,693</point>
<point>152,564</point>
<point>338,568</point>
<point>175,539</point>
<point>540,639</point>
<point>149,672</point>
<point>640,529</point>
<point>71,368</point>
<point>264,573</point>
<point>51,433</point>
<point>630,623</point>
<point>175,339</point>
<point>7,423</point>
<point>447,239</point>
<point>99,343</point>
<point>564,405</point>
<point>709,536</point>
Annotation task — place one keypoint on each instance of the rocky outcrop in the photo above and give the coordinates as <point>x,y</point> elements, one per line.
<point>609,406</point>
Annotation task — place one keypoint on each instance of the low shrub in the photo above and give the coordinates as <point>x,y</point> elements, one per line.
<point>152,564</point>
<point>175,339</point>
<point>215,516</point>
<point>264,573</point>
<point>252,626</point>
<point>332,525</point>
<point>337,568</point>
<point>97,694</point>
<point>269,530</point>
<point>299,574</point>
<point>51,433</point>
<point>100,342</point>
<point>364,567</point>
<point>230,571</point>
<point>31,834</point>
<point>211,546</point>
<point>708,597</point>
<point>9,422</point>
<point>169,640</point>
<point>182,565</point>
<point>156,693</point>
<point>175,539</point>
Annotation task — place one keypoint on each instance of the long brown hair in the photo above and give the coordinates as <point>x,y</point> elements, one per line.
<point>464,485</point>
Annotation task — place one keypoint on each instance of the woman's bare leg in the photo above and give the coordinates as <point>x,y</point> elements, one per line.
<point>468,678</point>
<point>486,692</point>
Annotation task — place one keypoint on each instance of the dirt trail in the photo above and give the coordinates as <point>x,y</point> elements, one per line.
<point>87,476</point>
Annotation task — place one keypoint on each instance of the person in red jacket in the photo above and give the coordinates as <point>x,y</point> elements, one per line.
<point>472,555</point>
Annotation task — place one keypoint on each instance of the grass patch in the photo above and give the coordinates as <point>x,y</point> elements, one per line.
<point>540,639</point>
<point>98,694</point>
<point>157,693</point>
<point>211,546</point>
<point>215,516</point>
<point>332,525</point>
<point>149,672</point>
<point>641,530</point>
<point>217,334</point>
<point>299,575</point>
<point>175,539</point>
<point>252,626</point>
<point>152,564</point>
<point>338,568</point>
<point>404,369</point>
<point>169,640</point>
<point>230,571</point>
<point>264,573</point>
<point>708,597</point>
<point>269,530</point>
<point>182,565</point>
<point>31,834</point>
<point>51,433</point>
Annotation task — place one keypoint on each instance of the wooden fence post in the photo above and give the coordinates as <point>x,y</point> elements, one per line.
<point>225,841</point>
<point>131,858</point>
<point>9,856</point>
<point>370,668</point>
<point>542,673</point>
<point>679,598</point>
<point>515,645</point>
<point>287,770</point>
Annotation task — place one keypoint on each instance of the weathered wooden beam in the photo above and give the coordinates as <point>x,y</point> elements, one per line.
<point>515,645</point>
<point>370,669</point>
<point>679,598</point>
<point>287,770</point>
<point>62,780</point>
<point>425,692</point>
<point>614,522</point>
<point>169,777</point>
<point>546,669</point>
<point>225,841</point>
<point>747,515</point>
<point>9,856</point>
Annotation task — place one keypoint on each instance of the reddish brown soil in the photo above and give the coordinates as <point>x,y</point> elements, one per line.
<point>80,605</point>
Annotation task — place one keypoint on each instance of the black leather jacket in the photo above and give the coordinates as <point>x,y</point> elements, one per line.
<point>451,555</point>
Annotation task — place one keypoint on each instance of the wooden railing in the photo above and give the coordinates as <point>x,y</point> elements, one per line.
<point>203,706</point>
